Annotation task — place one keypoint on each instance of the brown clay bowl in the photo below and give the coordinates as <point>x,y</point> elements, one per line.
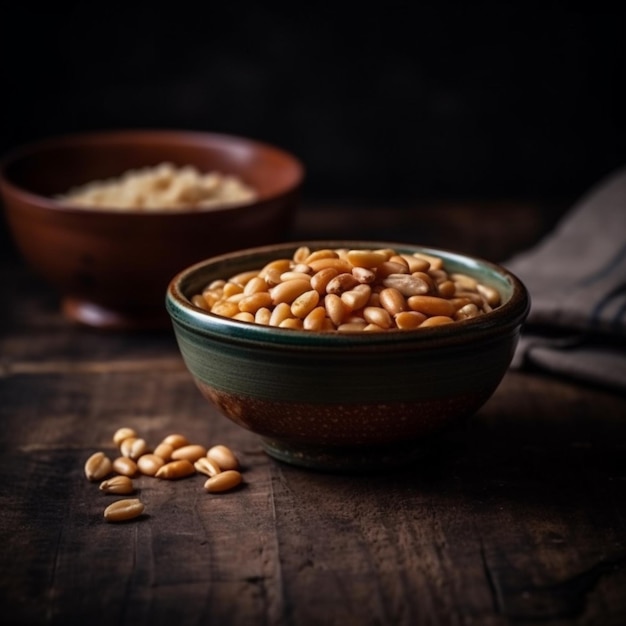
<point>112,267</point>
<point>345,401</point>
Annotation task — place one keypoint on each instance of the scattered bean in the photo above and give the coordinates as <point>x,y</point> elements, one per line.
<point>175,457</point>
<point>207,466</point>
<point>224,457</point>
<point>125,465</point>
<point>117,485</point>
<point>121,434</point>
<point>97,466</point>
<point>175,469</point>
<point>191,452</point>
<point>123,510</point>
<point>224,481</point>
<point>150,464</point>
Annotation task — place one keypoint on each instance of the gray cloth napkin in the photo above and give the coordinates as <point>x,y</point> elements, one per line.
<point>576,277</point>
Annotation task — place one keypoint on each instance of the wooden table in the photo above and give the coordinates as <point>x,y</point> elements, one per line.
<point>520,518</point>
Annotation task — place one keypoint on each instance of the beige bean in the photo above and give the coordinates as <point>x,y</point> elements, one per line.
<point>374,299</point>
<point>491,295</point>
<point>255,285</point>
<point>295,323</point>
<point>134,447</point>
<point>316,319</point>
<point>408,320</point>
<point>407,284</point>
<point>255,301</point>
<point>118,485</point>
<point>223,456</point>
<point>467,312</point>
<point>243,278</point>
<point>125,466</point>
<point>436,320</point>
<point>352,327</point>
<point>366,258</point>
<point>289,290</point>
<point>356,298</point>
<point>280,313</point>
<point>472,296</point>
<point>295,275</point>
<point>305,303</point>
<point>438,276</point>
<point>210,299</point>
<point>303,268</point>
<point>342,282</point>
<point>176,469</point>
<point>431,305</point>
<point>435,262</point>
<point>225,308</point>
<point>341,265</point>
<point>272,277</point>
<point>335,308</point>
<point>301,254</point>
<point>391,267</point>
<point>324,253</point>
<point>364,275</point>
<point>123,510</point>
<point>263,316</point>
<point>460,301</point>
<point>244,316</point>
<point>164,450</point>
<point>386,252</point>
<point>192,452</point>
<point>415,264</point>
<point>446,289</point>
<point>279,265</point>
<point>231,289</point>
<point>98,466</point>
<point>123,433</point>
<point>216,284</point>
<point>236,298</point>
<point>150,464</point>
<point>207,466</point>
<point>224,481</point>
<point>200,301</point>
<point>397,258</point>
<point>463,281</point>
<point>378,316</point>
<point>428,279</point>
<point>320,280</point>
<point>176,440</point>
<point>392,300</point>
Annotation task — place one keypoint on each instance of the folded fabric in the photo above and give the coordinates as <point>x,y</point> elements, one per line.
<point>576,277</point>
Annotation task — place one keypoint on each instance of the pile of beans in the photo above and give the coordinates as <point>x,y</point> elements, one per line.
<point>173,458</point>
<point>349,291</point>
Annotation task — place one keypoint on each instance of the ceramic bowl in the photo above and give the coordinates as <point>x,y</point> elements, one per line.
<point>112,267</point>
<point>345,401</point>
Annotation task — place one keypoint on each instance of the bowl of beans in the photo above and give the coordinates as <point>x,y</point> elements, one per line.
<point>346,355</point>
<point>108,217</point>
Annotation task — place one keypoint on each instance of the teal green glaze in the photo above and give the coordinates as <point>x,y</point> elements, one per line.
<point>353,374</point>
<point>292,387</point>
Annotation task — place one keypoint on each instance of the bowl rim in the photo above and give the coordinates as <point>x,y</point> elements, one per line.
<point>499,322</point>
<point>106,136</point>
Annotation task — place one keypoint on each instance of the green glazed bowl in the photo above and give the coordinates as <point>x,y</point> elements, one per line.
<point>345,401</point>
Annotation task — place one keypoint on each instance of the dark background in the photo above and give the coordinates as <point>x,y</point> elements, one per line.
<point>389,103</point>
